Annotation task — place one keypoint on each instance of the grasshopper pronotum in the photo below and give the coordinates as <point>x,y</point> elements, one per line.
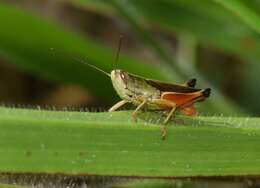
<point>153,94</point>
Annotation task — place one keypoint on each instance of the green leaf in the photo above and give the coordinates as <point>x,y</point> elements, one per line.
<point>244,12</point>
<point>208,22</point>
<point>81,143</point>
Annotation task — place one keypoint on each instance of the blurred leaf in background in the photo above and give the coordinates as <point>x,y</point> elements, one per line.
<point>29,47</point>
<point>167,40</point>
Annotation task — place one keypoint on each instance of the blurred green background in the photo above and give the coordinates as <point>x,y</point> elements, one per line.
<point>215,41</point>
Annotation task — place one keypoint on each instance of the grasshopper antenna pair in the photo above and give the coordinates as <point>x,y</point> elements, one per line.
<point>151,94</point>
<point>79,60</point>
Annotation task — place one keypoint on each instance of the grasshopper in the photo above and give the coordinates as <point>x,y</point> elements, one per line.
<point>153,94</point>
<point>156,95</point>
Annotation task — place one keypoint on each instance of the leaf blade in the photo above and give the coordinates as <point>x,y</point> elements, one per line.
<point>110,144</point>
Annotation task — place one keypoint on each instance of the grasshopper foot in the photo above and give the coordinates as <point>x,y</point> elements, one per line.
<point>134,118</point>
<point>164,132</point>
<point>164,129</point>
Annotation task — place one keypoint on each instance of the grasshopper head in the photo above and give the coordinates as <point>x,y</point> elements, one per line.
<point>120,80</point>
<point>120,76</point>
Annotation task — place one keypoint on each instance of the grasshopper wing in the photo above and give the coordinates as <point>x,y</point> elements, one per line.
<point>166,87</point>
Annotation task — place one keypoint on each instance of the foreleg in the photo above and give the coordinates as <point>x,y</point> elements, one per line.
<point>117,105</point>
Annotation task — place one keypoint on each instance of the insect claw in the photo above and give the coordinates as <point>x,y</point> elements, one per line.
<point>163,137</point>
<point>134,117</point>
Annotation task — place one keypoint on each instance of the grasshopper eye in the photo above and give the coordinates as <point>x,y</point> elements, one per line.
<point>124,76</point>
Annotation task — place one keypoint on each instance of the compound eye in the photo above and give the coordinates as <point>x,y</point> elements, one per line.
<point>124,76</point>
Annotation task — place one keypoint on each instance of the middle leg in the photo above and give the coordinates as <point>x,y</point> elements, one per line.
<point>138,108</point>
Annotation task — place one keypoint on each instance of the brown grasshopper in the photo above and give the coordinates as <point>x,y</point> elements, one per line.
<point>153,94</point>
<point>156,95</point>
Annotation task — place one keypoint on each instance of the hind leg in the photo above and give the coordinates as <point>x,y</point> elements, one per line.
<point>167,104</point>
<point>164,129</point>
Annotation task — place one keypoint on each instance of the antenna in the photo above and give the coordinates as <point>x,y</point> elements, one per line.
<point>118,50</point>
<point>75,58</point>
